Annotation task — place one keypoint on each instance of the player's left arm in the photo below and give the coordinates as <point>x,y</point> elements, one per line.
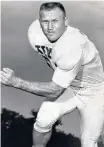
<point>50,90</point>
<point>66,71</point>
<point>67,68</point>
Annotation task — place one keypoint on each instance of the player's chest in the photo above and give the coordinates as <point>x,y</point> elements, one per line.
<point>47,52</point>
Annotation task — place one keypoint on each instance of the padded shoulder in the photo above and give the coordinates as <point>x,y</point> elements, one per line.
<point>68,50</point>
<point>35,34</point>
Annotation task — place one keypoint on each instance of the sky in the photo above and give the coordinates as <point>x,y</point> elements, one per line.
<point>17,54</point>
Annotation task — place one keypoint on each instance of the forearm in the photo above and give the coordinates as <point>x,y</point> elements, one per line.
<point>46,89</point>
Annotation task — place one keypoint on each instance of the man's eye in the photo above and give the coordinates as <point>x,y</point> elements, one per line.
<point>44,21</point>
<point>55,20</point>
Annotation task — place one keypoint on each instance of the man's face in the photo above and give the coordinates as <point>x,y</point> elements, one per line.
<point>52,23</point>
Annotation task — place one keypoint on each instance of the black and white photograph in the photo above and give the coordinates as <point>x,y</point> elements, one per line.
<point>52,73</point>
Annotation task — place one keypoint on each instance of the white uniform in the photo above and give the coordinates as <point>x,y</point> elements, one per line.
<point>77,65</point>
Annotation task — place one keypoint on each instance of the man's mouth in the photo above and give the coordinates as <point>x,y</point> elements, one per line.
<point>50,33</point>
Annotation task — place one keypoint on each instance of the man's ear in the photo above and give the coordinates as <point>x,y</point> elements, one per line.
<point>66,21</point>
<point>39,19</point>
<point>39,22</point>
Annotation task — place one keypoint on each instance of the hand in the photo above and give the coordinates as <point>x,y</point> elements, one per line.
<point>7,77</point>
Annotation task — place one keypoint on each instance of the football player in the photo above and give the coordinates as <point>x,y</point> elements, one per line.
<point>76,65</point>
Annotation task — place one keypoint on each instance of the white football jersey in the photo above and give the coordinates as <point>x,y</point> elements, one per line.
<point>74,58</point>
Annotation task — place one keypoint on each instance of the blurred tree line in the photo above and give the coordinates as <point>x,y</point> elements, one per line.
<point>16,131</point>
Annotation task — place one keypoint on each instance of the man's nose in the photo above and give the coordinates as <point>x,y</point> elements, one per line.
<point>50,26</point>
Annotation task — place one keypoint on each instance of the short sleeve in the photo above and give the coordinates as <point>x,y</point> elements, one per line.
<point>67,68</point>
<point>70,59</point>
<point>64,77</point>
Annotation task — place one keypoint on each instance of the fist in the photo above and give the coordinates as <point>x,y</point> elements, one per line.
<point>7,77</point>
